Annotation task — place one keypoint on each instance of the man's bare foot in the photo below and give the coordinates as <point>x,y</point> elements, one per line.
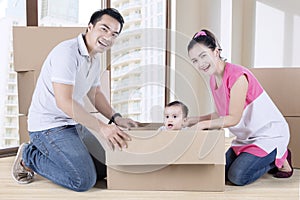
<point>26,168</point>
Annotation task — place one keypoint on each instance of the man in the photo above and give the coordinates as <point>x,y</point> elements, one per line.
<point>57,121</point>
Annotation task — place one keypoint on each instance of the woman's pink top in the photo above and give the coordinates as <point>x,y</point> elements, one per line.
<point>262,127</point>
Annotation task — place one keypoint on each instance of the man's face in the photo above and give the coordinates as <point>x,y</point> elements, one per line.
<point>101,36</point>
<point>173,118</point>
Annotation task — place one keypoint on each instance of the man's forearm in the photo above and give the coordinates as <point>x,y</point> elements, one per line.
<point>80,115</point>
<point>102,105</point>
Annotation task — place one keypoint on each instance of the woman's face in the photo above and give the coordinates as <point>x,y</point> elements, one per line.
<point>203,58</point>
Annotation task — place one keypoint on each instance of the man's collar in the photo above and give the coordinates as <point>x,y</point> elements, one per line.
<point>82,47</point>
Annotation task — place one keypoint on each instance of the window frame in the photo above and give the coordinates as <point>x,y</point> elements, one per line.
<point>32,20</point>
<point>167,52</point>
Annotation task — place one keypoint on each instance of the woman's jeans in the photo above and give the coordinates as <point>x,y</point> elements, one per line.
<point>247,168</point>
<point>61,155</point>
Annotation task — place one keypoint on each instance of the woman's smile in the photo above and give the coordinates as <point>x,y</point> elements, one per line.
<point>205,68</point>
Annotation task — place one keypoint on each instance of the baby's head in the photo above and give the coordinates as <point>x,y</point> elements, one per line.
<point>175,115</point>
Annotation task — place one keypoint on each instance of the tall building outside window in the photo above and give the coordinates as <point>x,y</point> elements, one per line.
<point>138,60</point>
<point>12,13</point>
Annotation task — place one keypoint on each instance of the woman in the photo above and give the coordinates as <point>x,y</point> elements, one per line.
<point>242,105</point>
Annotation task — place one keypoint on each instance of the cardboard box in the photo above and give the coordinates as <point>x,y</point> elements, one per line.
<point>148,126</point>
<point>31,47</point>
<point>282,85</point>
<point>41,41</point>
<point>26,84</point>
<point>169,160</point>
<point>23,132</point>
<point>294,124</point>
<point>33,44</point>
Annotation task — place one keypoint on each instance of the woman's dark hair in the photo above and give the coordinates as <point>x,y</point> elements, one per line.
<point>96,16</point>
<point>184,108</point>
<point>206,38</point>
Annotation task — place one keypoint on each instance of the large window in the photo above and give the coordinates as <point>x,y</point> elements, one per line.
<point>12,13</point>
<point>277,28</point>
<point>138,62</point>
<point>66,12</point>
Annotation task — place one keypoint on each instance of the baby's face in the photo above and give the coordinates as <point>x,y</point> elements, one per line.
<point>173,118</point>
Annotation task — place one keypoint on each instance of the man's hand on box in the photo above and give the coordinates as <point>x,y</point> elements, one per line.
<point>115,137</point>
<point>126,122</point>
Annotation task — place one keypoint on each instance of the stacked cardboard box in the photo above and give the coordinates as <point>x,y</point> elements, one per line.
<point>31,47</point>
<point>169,160</point>
<point>283,87</point>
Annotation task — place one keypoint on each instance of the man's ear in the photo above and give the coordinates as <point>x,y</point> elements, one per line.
<point>90,26</point>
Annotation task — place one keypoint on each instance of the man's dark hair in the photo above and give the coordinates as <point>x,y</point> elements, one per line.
<point>114,13</point>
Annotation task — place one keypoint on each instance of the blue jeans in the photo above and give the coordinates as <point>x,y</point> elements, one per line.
<point>247,168</point>
<point>60,155</point>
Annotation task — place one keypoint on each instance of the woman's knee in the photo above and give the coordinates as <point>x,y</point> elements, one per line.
<point>237,177</point>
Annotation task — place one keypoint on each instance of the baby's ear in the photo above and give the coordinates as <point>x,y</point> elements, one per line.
<point>184,122</point>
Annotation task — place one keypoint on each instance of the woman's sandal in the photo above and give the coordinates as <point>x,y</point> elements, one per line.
<point>273,170</point>
<point>281,174</point>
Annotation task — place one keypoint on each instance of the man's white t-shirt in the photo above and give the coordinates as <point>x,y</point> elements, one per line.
<point>68,63</point>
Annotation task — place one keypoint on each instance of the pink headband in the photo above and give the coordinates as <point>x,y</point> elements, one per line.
<point>200,33</point>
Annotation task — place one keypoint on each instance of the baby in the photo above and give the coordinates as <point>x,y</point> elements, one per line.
<point>175,114</point>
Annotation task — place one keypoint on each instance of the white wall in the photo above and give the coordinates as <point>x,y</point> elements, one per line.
<point>190,86</point>
<point>264,33</point>
<point>277,28</point>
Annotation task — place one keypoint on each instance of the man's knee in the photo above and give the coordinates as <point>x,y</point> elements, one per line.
<point>84,181</point>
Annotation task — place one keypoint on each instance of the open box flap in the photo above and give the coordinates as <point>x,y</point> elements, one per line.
<point>147,126</point>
